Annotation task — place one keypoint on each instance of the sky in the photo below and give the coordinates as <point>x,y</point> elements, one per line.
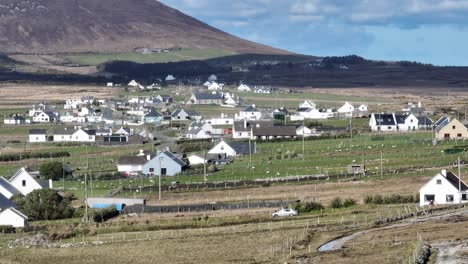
<point>428,31</point>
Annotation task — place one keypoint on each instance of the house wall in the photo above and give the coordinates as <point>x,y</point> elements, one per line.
<point>37,138</point>
<point>411,123</point>
<point>172,167</point>
<point>129,168</point>
<point>10,218</point>
<point>29,184</point>
<point>195,160</point>
<point>222,149</point>
<point>440,191</point>
<point>453,130</point>
<point>78,136</point>
<point>256,115</point>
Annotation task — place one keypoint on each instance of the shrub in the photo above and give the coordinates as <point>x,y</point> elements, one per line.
<point>45,204</point>
<point>37,155</point>
<point>336,203</point>
<point>349,202</point>
<point>105,214</point>
<point>308,207</point>
<point>391,199</point>
<point>7,229</point>
<point>52,170</point>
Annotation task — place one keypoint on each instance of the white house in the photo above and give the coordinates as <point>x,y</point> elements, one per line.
<point>37,136</point>
<point>215,86</point>
<point>195,159</point>
<point>383,123</point>
<point>207,84</point>
<point>44,117</point>
<point>73,103</point>
<point>165,164</point>
<point>212,78</point>
<point>86,111</point>
<point>308,104</point>
<point>444,188</point>
<point>347,109</point>
<point>231,149</point>
<point>170,78</point>
<point>131,164</point>
<point>312,113</point>
<point>16,120</point>
<point>74,135</point>
<point>250,113</point>
<point>244,88</point>
<point>13,217</point>
<point>26,181</point>
<point>407,122</point>
<point>220,121</point>
<point>363,108</point>
<point>133,83</point>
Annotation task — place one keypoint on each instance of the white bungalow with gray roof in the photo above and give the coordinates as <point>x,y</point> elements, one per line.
<point>37,135</point>
<point>164,163</point>
<point>26,181</point>
<point>182,114</point>
<point>74,135</point>
<point>443,188</point>
<point>231,149</point>
<point>250,113</point>
<point>45,117</point>
<point>207,98</point>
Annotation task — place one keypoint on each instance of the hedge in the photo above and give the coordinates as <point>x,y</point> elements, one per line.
<point>36,155</point>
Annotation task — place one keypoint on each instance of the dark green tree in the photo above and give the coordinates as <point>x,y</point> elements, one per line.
<point>52,170</point>
<point>45,204</point>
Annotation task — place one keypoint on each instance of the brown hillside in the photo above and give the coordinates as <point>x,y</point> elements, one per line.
<point>77,26</point>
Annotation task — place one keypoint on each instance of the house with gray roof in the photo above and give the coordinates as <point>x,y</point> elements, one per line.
<point>37,135</point>
<point>165,164</point>
<point>74,135</point>
<point>207,98</point>
<point>185,114</point>
<point>226,149</point>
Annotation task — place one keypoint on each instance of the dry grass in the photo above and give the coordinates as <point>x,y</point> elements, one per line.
<point>323,192</point>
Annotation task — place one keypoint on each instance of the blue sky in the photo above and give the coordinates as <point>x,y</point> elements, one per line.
<point>429,31</point>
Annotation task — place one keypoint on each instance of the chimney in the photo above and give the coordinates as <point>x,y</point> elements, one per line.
<point>148,157</point>
<point>444,173</point>
<point>419,104</point>
<point>254,106</point>
<point>245,123</point>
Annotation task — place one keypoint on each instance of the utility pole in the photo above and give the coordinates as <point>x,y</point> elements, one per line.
<point>204,168</point>
<point>381,165</point>
<point>86,197</point>
<point>160,175</point>
<point>303,140</point>
<point>459,182</point>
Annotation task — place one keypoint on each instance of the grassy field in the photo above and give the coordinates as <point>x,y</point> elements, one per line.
<point>172,56</point>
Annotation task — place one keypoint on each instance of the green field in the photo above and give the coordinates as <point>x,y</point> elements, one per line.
<point>172,56</point>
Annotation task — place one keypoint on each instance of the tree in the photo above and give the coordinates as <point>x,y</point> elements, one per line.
<point>45,204</point>
<point>52,170</point>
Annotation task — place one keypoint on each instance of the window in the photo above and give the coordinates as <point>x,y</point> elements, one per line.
<point>446,135</point>
<point>459,135</point>
<point>37,138</point>
<point>429,197</point>
<point>151,170</point>
<point>222,147</point>
<point>453,127</point>
<point>389,127</point>
<point>163,171</point>
<point>464,197</point>
<point>90,137</point>
<point>449,198</point>
<point>23,183</point>
<point>439,181</point>
<point>239,134</point>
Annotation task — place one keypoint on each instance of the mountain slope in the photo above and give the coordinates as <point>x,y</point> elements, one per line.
<point>104,26</point>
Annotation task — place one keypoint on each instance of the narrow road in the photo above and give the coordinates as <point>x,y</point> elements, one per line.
<point>447,253</point>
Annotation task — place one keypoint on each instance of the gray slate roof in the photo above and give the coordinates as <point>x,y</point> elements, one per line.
<point>209,96</point>
<point>384,119</point>
<point>278,131</point>
<point>6,184</point>
<point>132,160</point>
<point>453,179</point>
<point>174,158</point>
<point>37,131</point>
<point>242,148</point>
<point>5,203</point>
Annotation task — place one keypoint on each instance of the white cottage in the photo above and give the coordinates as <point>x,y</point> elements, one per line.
<point>26,181</point>
<point>37,136</point>
<point>347,109</point>
<point>444,188</point>
<point>13,217</point>
<point>244,88</point>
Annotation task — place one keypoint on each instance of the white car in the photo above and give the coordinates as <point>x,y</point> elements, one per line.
<point>284,212</point>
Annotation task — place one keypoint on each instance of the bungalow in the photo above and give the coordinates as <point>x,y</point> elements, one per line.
<point>167,99</point>
<point>196,159</point>
<point>451,130</point>
<point>407,122</point>
<point>37,136</point>
<point>304,131</point>
<point>363,108</point>
<point>425,123</point>
<point>170,78</point>
<point>262,90</point>
<point>312,113</point>
<point>244,88</point>
<point>346,110</point>
<point>182,114</point>
<point>206,99</point>
<point>444,188</point>
<point>152,117</point>
<point>308,104</point>
<point>15,120</point>
<point>164,164</point>
<point>45,117</point>
<point>250,113</point>
<point>131,164</point>
<point>214,86</point>
<point>74,135</point>
<point>13,217</point>
<point>207,84</point>
<point>123,131</point>
<point>231,149</point>
<point>274,132</point>
<point>103,132</point>
<point>133,83</point>
<point>383,123</point>
<point>198,130</point>
<point>243,129</point>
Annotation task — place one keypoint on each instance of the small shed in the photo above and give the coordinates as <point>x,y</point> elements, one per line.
<point>357,169</point>
<point>13,217</point>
